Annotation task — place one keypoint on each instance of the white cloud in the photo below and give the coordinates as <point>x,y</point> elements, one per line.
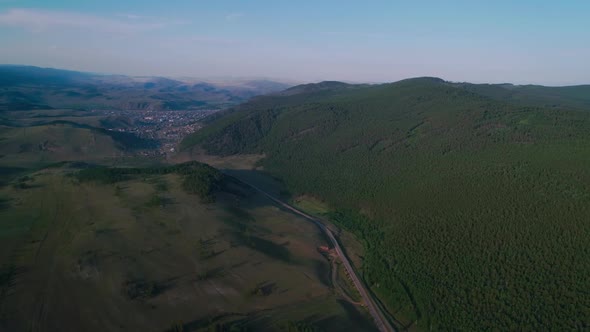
<point>40,20</point>
<point>233,16</point>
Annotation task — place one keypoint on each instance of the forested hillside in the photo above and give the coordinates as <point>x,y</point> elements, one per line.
<point>572,97</point>
<point>473,204</point>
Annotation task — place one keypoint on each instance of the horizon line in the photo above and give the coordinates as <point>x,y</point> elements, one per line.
<point>284,80</point>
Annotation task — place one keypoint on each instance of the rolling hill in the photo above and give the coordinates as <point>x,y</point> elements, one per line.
<point>27,87</point>
<point>170,248</point>
<point>40,145</point>
<point>472,201</point>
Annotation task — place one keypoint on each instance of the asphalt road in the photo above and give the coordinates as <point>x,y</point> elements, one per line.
<point>378,316</point>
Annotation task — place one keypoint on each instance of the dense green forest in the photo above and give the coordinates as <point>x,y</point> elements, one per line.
<point>473,202</point>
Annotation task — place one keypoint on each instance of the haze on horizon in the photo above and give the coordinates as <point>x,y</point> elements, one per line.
<point>538,42</point>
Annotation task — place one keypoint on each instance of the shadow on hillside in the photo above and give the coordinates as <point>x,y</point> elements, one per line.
<point>9,173</point>
<point>5,203</point>
<point>261,180</point>
<point>239,187</point>
<point>322,271</point>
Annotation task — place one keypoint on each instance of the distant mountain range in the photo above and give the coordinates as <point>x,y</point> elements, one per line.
<point>28,87</point>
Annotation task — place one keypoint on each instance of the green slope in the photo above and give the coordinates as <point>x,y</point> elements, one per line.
<point>474,209</point>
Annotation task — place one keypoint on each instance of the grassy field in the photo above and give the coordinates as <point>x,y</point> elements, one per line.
<point>143,254</point>
<point>39,145</point>
<point>34,139</point>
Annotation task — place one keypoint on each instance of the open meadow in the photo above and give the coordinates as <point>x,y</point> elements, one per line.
<point>143,254</point>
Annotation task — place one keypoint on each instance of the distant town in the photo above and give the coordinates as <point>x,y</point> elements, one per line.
<point>167,127</point>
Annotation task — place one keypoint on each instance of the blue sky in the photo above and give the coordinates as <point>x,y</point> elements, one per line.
<point>543,42</point>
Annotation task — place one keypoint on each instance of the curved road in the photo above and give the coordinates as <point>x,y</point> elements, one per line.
<point>378,316</point>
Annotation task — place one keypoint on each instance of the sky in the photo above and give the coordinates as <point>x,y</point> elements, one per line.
<point>521,42</point>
